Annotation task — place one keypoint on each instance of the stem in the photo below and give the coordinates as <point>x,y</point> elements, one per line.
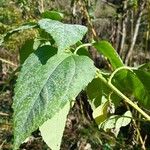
<point>3,114</point>
<point>118,69</point>
<point>83,45</point>
<point>126,99</point>
<point>139,137</point>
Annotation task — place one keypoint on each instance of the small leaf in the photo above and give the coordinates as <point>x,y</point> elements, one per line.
<point>115,122</point>
<point>108,51</point>
<point>109,123</point>
<point>52,130</point>
<point>124,120</point>
<point>64,35</point>
<point>83,50</point>
<point>54,15</point>
<point>45,84</point>
<point>95,91</point>
<point>100,113</point>
<point>143,73</point>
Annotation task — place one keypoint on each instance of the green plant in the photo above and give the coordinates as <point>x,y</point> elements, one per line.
<point>54,72</point>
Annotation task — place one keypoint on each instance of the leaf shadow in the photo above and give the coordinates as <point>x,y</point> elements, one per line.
<point>45,52</point>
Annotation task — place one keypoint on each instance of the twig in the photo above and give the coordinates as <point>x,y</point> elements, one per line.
<point>8,62</point>
<point>137,130</point>
<point>3,114</point>
<point>1,146</point>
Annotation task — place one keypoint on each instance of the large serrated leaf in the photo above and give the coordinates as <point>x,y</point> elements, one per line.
<point>108,51</point>
<point>64,35</point>
<point>52,130</point>
<point>44,86</point>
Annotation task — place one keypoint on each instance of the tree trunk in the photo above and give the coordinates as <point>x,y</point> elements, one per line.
<point>123,30</point>
<point>133,40</point>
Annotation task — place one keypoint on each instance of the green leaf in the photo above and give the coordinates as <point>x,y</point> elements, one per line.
<point>145,67</point>
<point>64,35</point>
<point>143,73</point>
<point>144,77</point>
<point>133,83</point>
<point>52,130</point>
<point>108,51</point>
<point>124,120</point>
<point>115,122</point>
<point>100,114</point>
<point>54,15</point>
<point>97,91</point>
<point>109,123</point>
<point>21,28</point>
<point>83,50</point>
<point>45,84</point>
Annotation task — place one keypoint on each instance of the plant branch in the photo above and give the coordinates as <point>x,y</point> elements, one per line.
<point>120,94</point>
<point>8,62</point>
<point>139,136</point>
<point>83,45</point>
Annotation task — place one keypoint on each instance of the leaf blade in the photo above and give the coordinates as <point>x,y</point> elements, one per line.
<point>132,83</point>
<point>43,85</point>
<point>52,130</point>
<point>108,51</point>
<point>54,15</point>
<point>64,35</point>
